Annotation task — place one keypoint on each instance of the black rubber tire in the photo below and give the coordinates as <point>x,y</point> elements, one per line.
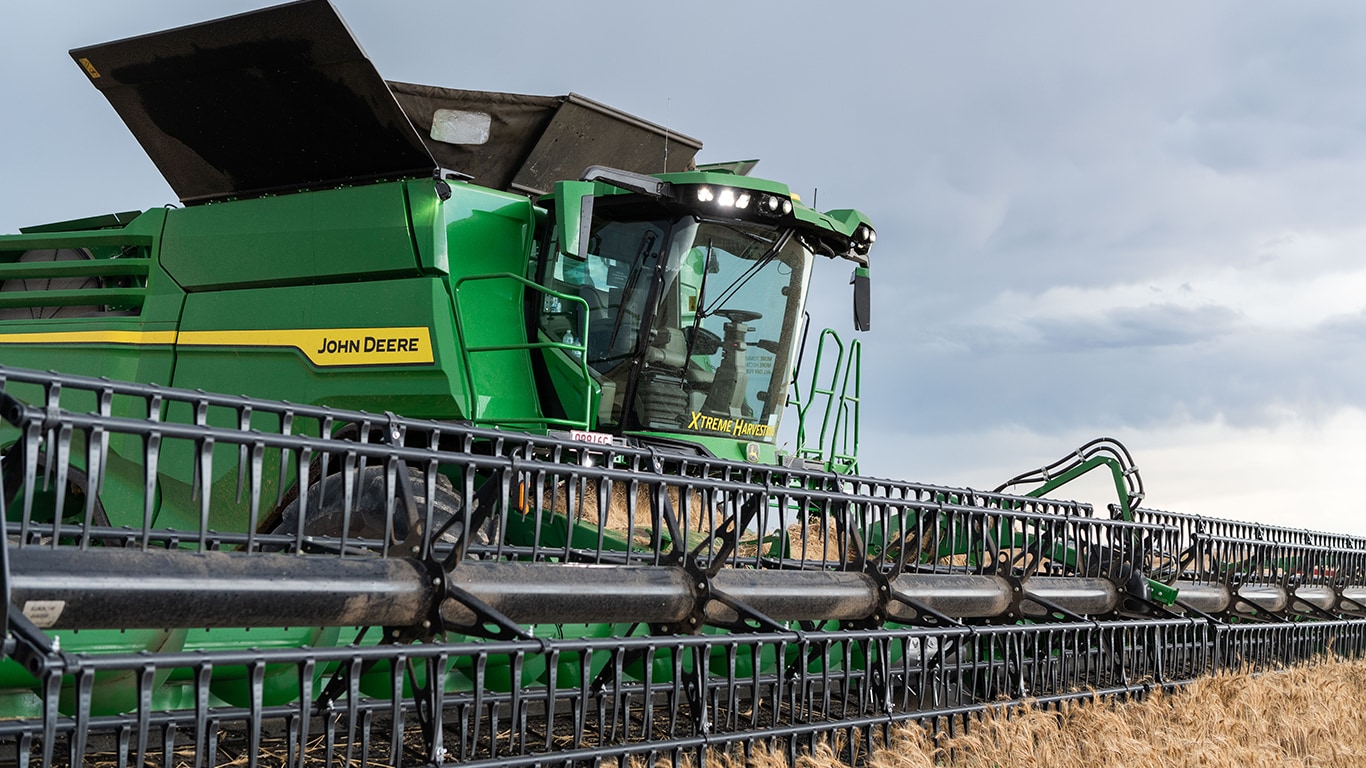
<point>325,515</point>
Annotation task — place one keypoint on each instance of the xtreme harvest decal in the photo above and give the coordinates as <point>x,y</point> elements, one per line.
<point>735,427</point>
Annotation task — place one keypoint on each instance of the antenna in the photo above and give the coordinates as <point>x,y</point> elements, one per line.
<point>667,102</point>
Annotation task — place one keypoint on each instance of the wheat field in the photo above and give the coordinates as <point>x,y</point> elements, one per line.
<point>1311,715</point>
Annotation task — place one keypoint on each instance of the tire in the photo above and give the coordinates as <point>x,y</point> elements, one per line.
<point>326,514</point>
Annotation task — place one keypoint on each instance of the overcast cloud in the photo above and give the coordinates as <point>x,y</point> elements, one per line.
<point>1141,221</point>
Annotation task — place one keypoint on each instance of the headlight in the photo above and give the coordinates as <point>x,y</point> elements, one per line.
<point>735,199</point>
<point>774,205</point>
<point>864,237</point>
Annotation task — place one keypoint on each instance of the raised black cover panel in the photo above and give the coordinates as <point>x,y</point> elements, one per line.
<point>273,100</point>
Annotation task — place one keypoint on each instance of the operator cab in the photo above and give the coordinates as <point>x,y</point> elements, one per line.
<point>684,295</point>
<point>689,320</point>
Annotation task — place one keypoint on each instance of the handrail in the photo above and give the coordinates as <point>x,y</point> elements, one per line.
<point>844,440</point>
<point>818,452</point>
<point>75,239</point>
<point>837,443</point>
<point>131,267</point>
<point>577,351</point>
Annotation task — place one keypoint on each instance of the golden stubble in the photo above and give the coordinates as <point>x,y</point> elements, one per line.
<point>817,538</point>
<point>1310,715</point>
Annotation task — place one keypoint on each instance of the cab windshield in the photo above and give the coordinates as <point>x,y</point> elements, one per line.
<point>690,322</point>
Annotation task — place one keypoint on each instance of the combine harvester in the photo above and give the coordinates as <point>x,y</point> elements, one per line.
<point>580,541</point>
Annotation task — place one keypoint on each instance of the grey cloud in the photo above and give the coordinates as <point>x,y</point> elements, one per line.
<point>1244,380</point>
<point>1154,325</point>
<point>1288,90</point>
<point>1343,329</point>
<point>1122,328</point>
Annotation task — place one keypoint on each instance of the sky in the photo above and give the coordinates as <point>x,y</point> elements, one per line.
<point>1141,221</point>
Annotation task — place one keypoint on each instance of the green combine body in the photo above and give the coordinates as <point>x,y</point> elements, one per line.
<point>353,270</point>
<point>434,253</point>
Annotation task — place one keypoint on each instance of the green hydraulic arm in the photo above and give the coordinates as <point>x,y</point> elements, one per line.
<point>1101,452</point>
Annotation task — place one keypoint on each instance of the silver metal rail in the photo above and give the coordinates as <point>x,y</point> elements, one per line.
<point>223,577</point>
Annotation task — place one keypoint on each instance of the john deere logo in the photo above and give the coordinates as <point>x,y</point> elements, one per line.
<point>752,451</point>
<point>326,347</point>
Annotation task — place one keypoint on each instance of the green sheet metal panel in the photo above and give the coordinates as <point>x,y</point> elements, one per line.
<point>287,343</point>
<point>129,344</point>
<point>336,344</point>
<point>489,237</point>
<point>351,233</point>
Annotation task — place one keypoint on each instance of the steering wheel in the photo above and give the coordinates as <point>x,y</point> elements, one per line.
<point>702,341</point>
<point>738,315</point>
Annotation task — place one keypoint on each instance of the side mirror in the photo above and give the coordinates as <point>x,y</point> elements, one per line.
<point>574,216</point>
<point>863,299</point>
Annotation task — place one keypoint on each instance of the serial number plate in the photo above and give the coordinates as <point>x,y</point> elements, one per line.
<point>584,436</point>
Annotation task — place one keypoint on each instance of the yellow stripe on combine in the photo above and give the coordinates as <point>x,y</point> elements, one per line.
<point>90,337</point>
<point>324,347</point>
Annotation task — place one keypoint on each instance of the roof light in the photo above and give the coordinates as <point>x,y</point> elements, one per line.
<point>739,201</point>
<point>863,239</point>
<point>773,205</point>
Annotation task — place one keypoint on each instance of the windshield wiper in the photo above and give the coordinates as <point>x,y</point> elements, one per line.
<point>736,285</point>
<point>698,313</point>
<point>748,274</point>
